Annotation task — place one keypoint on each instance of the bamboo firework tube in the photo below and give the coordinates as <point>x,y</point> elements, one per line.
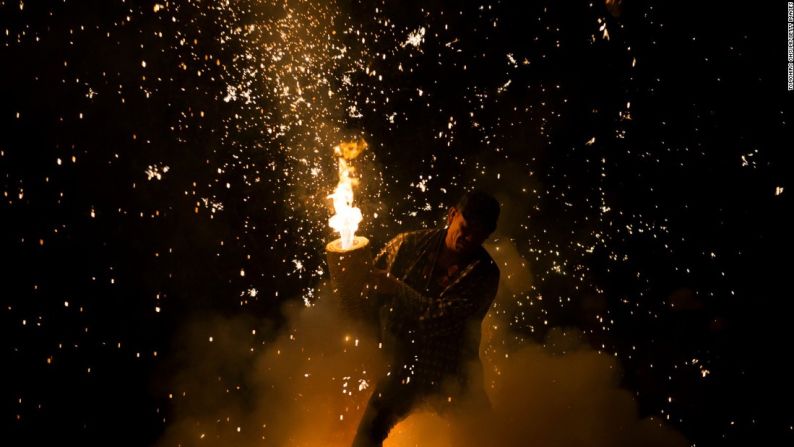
<point>349,270</point>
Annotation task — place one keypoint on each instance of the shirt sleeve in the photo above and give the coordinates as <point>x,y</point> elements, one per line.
<point>438,316</point>
<point>385,257</point>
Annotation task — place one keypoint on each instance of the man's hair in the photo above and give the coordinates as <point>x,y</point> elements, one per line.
<point>479,207</point>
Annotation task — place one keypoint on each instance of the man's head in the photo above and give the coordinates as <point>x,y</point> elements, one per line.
<point>470,222</point>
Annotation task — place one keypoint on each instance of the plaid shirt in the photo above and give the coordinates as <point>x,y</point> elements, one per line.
<point>433,321</point>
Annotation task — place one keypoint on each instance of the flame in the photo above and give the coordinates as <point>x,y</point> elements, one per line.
<point>347,217</point>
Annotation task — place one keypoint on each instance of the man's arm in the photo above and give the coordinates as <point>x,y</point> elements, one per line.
<point>385,257</point>
<point>438,316</point>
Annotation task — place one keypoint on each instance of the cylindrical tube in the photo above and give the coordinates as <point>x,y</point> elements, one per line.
<point>349,270</point>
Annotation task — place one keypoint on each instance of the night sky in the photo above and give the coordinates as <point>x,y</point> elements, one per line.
<point>165,164</point>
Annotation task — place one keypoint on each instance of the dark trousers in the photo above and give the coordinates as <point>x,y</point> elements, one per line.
<point>392,401</point>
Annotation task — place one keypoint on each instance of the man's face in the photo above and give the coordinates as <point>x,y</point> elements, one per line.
<point>463,237</point>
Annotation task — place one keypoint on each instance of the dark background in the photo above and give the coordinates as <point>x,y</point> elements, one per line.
<point>689,261</point>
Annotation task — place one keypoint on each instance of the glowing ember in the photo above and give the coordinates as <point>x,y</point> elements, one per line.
<point>347,217</point>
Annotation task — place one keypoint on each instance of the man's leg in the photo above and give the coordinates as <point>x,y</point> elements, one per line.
<point>471,412</point>
<point>391,401</point>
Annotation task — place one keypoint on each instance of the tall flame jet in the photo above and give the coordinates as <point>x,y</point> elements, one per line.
<point>347,217</point>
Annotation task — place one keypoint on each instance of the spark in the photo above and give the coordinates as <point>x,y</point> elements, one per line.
<point>415,38</point>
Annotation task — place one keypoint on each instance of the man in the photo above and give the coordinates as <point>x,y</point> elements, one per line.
<point>434,287</point>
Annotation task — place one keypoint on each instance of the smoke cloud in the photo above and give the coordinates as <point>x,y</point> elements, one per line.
<point>543,398</point>
<point>308,385</point>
